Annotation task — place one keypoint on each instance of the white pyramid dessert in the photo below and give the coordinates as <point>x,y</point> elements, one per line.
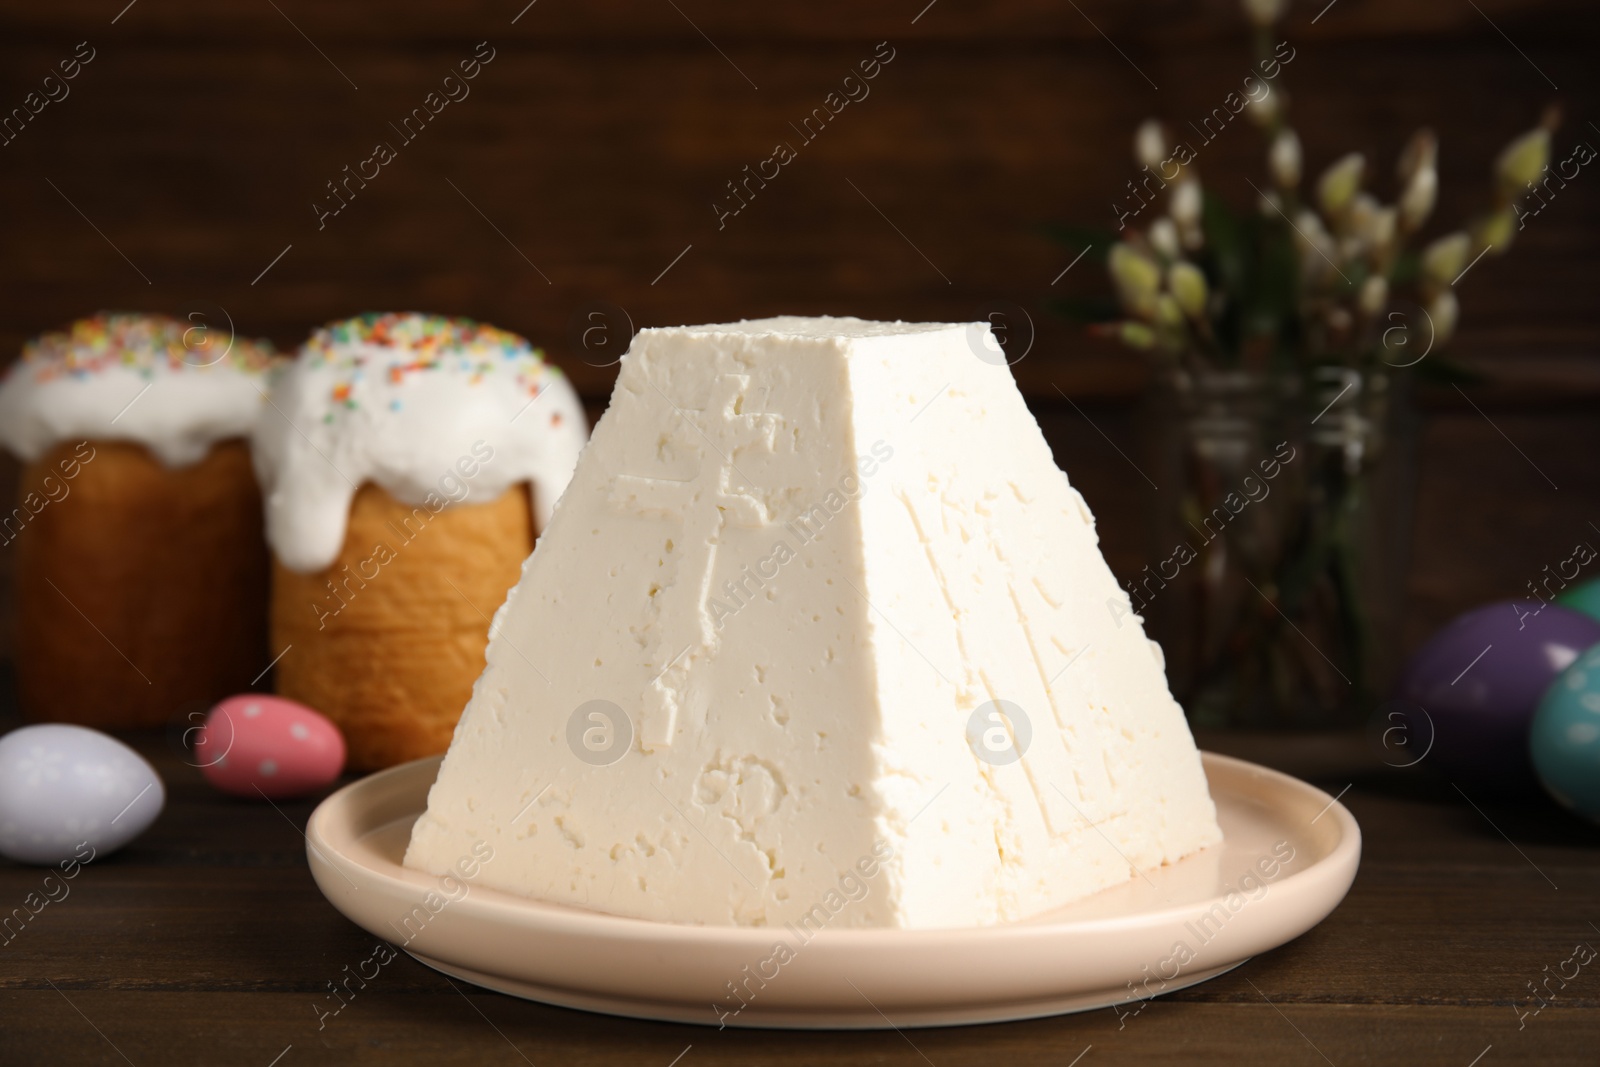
<point>750,674</point>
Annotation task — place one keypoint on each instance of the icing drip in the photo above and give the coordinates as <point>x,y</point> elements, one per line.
<point>412,403</point>
<point>173,386</point>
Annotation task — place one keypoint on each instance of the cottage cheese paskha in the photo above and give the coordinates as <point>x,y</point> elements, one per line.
<point>815,585</point>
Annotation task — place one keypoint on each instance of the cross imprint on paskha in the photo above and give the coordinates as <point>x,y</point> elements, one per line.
<point>716,496</point>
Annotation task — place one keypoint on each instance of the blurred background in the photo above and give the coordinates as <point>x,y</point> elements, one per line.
<point>582,180</point>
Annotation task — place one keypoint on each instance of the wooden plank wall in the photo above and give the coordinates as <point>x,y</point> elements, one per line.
<point>592,147</point>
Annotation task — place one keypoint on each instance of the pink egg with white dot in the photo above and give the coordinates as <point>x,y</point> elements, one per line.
<point>255,745</point>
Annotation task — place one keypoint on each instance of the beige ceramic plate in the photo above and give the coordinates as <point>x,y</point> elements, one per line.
<point>1289,855</point>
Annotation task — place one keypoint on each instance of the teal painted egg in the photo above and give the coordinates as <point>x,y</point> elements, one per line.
<point>1565,741</point>
<point>1584,598</point>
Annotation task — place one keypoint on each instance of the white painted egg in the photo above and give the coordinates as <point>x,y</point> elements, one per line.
<point>65,787</point>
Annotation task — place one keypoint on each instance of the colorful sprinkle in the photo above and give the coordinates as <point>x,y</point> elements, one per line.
<point>143,344</point>
<point>399,346</point>
<point>425,337</point>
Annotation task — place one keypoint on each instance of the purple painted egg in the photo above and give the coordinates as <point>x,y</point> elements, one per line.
<point>1479,681</point>
<point>255,745</point>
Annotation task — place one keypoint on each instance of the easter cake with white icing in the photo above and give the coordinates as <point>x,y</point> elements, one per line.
<point>408,462</point>
<point>141,571</point>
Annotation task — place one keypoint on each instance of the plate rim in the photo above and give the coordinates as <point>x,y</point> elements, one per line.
<point>1039,1007</point>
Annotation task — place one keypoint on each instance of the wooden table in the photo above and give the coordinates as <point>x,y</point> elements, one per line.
<point>206,942</point>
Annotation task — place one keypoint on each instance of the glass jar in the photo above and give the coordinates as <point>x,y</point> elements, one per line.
<point>1282,538</point>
